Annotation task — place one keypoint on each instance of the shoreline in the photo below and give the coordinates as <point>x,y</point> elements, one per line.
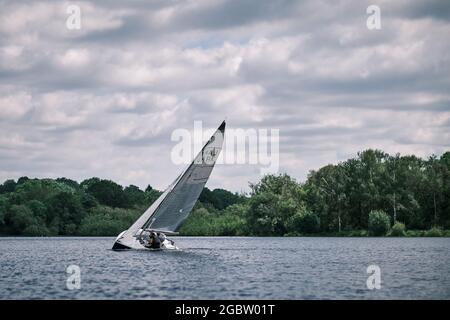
<point>446,235</point>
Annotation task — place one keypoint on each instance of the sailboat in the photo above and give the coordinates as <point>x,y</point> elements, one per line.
<point>166,215</point>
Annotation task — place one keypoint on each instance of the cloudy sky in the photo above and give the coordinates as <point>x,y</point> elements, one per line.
<point>104,100</point>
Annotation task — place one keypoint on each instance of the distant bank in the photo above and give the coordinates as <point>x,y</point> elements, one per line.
<point>373,194</point>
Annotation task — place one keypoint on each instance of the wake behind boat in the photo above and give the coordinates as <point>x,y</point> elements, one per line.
<point>166,215</point>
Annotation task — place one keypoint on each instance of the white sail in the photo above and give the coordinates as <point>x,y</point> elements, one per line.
<point>174,205</point>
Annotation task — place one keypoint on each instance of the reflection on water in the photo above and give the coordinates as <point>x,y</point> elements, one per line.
<point>227,268</point>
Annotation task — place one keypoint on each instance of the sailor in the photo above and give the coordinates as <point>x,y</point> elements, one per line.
<point>144,238</point>
<point>162,237</point>
<point>149,242</point>
<point>155,241</point>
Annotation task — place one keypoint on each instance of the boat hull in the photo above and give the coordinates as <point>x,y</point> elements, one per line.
<point>133,244</point>
<point>119,246</point>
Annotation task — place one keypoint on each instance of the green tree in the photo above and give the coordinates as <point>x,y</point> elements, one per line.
<point>272,202</point>
<point>69,182</point>
<point>379,223</point>
<point>263,215</point>
<point>106,221</point>
<point>106,192</point>
<point>20,217</point>
<point>232,220</point>
<point>8,186</point>
<point>326,196</point>
<point>219,198</point>
<point>134,196</point>
<point>65,209</point>
<point>199,223</point>
<point>3,212</point>
<point>433,190</point>
<point>406,180</point>
<point>398,230</point>
<point>445,191</point>
<point>304,222</point>
<point>22,180</point>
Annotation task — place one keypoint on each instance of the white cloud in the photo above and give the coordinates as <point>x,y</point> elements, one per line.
<point>74,58</point>
<point>14,106</point>
<point>103,100</point>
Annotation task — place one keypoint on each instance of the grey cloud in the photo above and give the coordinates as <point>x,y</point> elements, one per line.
<point>104,102</point>
<point>433,9</point>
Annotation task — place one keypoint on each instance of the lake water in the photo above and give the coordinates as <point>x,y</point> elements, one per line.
<point>227,268</point>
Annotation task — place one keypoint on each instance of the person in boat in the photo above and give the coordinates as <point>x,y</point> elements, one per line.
<point>155,242</point>
<point>147,241</point>
<point>144,238</point>
<point>162,238</point>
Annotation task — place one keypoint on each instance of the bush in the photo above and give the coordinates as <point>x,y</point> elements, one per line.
<point>434,232</point>
<point>199,223</point>
<point>398,230</point>
<point>231,221</point>
<point>36,231</point>
<point>414,233</point>
<point>379,223</point>
<point>292,234</point>
<point>305,222</point>
<point>358,233</point>
<point>105,221</point>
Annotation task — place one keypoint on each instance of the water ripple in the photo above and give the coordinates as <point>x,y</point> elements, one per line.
<point>227,268</point>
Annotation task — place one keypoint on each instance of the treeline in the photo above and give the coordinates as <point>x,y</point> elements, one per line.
<point>94,207</point>
<point>372,194</point>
